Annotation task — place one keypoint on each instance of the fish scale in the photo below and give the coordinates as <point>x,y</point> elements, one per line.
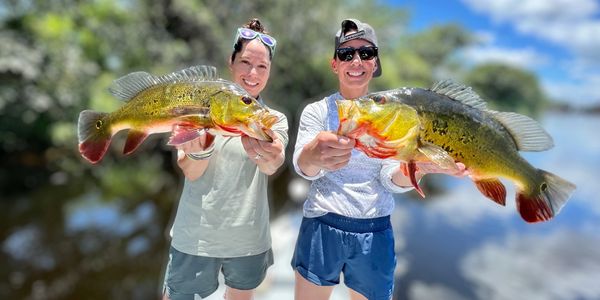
<point>184,103</point>
<point>453,124</point>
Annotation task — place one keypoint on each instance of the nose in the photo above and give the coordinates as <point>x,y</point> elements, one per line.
<point>253,71</point>
<point>356,59</point>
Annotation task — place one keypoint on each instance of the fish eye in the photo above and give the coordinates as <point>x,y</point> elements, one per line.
<point>544,187</point>
<point>247,100</point>
<point>379,99</point>
<point>98,124</point>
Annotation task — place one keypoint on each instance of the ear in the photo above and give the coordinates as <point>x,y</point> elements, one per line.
<point>334,66</point>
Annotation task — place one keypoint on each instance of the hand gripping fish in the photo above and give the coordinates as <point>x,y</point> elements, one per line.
<point>184,103</point>
<point>449,123</point>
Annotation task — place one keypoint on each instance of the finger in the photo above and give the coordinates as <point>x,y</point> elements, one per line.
<point>335,160</point>
<point>272,134</point>
<point>341,142</point>
<point>334,152</point>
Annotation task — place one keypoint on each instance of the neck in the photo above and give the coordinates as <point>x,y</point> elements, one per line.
<point>353,93</point>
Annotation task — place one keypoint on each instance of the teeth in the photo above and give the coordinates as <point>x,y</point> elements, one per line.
<point>355,73</point>
<point>250,83</point>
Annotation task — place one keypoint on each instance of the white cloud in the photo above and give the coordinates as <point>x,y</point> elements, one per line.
<point>562,265</point>
<point>422,291</point>
<point>571,24</point>
<point>526,57</point>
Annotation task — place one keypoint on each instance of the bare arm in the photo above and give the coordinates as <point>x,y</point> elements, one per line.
<point>193,168</point>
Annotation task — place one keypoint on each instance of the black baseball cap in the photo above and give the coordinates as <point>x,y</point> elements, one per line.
<point>363,31</point>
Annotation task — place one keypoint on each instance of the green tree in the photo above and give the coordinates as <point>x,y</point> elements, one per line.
<point>508,88</point>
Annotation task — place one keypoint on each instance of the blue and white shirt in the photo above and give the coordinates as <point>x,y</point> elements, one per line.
<point>361,189</point>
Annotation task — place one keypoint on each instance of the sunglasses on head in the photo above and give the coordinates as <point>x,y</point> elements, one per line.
<point>250,34</point>
<point>364,52</point>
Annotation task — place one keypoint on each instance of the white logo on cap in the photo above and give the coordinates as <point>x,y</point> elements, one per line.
<point>352,36</point>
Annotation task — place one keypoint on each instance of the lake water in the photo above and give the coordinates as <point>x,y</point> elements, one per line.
<point>456,244</point>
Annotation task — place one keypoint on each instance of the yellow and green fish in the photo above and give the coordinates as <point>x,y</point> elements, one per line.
<point>184,103</point>
<point>450,123</point>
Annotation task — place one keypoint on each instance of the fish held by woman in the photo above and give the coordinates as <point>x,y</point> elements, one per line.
<point>186,103</point>
<point>450,123</point>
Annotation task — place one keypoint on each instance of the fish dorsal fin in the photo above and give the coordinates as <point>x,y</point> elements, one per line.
<point>527,133</point>
<point>459,93</point>
<point>132,84</point>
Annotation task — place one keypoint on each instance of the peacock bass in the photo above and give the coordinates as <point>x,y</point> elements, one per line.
<point>450,123</point>
<point>184,103</point>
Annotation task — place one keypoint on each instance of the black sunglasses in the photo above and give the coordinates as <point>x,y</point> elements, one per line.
<point>364,52</point>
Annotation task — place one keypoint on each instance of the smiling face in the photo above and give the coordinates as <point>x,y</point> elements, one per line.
<point>251,67</point>
<point>354,75</point>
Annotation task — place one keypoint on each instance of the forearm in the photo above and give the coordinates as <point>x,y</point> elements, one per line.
<point>192,169</point>
<point>305,163</point>
<point>270,167</point>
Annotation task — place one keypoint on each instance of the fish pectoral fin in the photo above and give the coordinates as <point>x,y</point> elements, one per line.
<point>493,189</point>
<point>184,133</point>
<point>438,156</point>
<point>134,139</point>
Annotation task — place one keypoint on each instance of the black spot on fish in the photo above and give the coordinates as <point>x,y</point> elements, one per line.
<point>466,139</point>
<point>440,127</point>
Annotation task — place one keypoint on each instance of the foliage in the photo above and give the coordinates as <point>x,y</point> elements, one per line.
<point>58,57</point>
<point>507,88</point>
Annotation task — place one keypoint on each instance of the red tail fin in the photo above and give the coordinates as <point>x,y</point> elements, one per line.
<point>93,150</point>
<point>93,133</point>
<point>534,209</point>
<point>554,193</point>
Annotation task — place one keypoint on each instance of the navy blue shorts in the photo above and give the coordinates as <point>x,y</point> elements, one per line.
<point>361,249</point>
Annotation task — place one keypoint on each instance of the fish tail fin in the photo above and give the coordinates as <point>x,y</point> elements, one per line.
<point>552,195</point>
<point>94,135</point>
<point>493,189</point>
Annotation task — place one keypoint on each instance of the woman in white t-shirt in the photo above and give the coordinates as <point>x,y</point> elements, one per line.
<point>222,221</point>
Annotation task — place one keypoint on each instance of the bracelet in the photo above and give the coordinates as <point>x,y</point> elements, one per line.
<point>201,155</point>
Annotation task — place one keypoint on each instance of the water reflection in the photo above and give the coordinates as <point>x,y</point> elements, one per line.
<point>460,245</point>
<point>455,245</point>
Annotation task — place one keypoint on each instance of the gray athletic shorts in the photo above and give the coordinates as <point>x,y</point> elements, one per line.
<point>187,275</point>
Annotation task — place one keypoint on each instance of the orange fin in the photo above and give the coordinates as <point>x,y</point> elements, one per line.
<point>182,134</point>
<point>493,189</point>
<point>134,139</point>
<point>412,169</point>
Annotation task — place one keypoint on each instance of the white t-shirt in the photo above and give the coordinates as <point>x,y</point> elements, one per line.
<point>225,212</point>
<point>361,189</point>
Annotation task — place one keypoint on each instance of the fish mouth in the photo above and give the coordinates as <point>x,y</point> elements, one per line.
<point>258,127</point>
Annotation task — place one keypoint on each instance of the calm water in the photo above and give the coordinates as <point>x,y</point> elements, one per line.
<point>460,245</point>
<point>455,245</point>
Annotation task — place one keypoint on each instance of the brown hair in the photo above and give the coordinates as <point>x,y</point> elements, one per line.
<point>255,25</point>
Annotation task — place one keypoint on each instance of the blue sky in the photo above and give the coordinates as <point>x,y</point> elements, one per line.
<point>559,40</point>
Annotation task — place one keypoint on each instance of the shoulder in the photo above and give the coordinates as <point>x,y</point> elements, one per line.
<point>317,107</point>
